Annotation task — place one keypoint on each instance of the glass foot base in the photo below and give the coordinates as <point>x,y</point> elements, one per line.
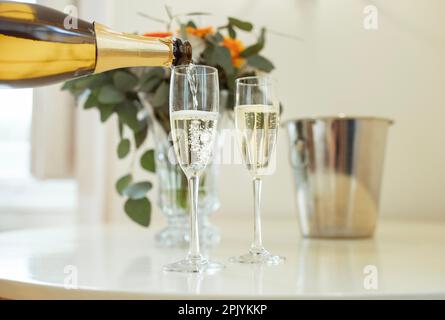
<point>258,257</point>
<point>189,265</point>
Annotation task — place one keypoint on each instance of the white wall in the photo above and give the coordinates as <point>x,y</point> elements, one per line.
<point>397,71</point>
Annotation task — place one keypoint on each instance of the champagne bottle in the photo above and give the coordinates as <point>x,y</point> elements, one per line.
<point>37,47</point>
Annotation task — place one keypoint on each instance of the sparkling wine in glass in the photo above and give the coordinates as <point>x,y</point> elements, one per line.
<point>194,106</point>
<point>257,118</point>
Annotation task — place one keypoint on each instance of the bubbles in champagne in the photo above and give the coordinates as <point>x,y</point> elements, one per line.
<point>194,135</point>
<point>257,127</point>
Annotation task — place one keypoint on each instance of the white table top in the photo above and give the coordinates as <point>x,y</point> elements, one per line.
<point>122,262</point>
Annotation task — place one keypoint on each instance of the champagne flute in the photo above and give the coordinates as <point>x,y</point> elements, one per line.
<point>194,104</point>
<point>257,117</point>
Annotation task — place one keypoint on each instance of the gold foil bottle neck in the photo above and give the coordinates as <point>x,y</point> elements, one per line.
<point>119,50</point>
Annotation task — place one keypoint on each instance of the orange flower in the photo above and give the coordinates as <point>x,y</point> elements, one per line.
<point>158,34</point>
<point>235,47</point>
<point>199,32</point>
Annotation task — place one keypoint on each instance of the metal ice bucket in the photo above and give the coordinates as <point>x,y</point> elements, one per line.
<point>338,166</point>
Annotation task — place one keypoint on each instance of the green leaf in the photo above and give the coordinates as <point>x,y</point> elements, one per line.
<point>148,161</point>
<point>84,83</point>
<point>251,50</point>
<point>110,95</point>
<point>106,110</point>
<point>231,83</point>
<point>243,25</point>
<point>123,148</point>
<point>120,126</point>
<point>160,98</point>
<point>91,102</point>
<point>262,38</point>
<point>128,114</point>
<point>191,24</point>
<point>224,59</point>
<point>151,80</point>
<point>122,183</point>
<point>137,190</point>
<point>218,55</point>
<point>232,32</point>
<point>260,63</point>
<point>153,73</point>
<point>218,37</point>
<point>139,211</point>
<point>182,197</point>
<point>151,84</point>
<point>124,81</point>
<point>68,85</point>
<point>195,14</point>
<point>140,136</point>
<point>214,39</point>
<point>255,48</point>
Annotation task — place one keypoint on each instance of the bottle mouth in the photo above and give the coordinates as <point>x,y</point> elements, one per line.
<point>182,52</point>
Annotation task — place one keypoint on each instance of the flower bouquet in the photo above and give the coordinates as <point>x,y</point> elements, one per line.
<point>118,92</point>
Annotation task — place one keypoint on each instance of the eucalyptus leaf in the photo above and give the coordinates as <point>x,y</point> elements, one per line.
<point>106,110</point>
<point>182,197</point>
<point>120,126</point>
<point>262,38</point>
<point>243,25</point>
<point>255,48</point>
<point>91,102</point>
<point>151,84</point>
<point>139,211</point>
<point>194,14</point>
<point>148,161</point>
<point>124,81</point>
<point>222,55</point>
<point>123,148</point>
<point>218,55</point>
<point>128,114</point>
<point>122,183</point>
<point>151,80</point>
<point>232,32</point>
<point>208,53</point>
<point>108,94</point>
<point>191,24</point>
<point>69,85</point>
<point>153,73</point>
<point>217,37</point>
<point>251,50</point>
<point>86,83</point>
<point>160,98</point>
<point>260,63</point>
<point>137,190</point>
<point>140,136</point>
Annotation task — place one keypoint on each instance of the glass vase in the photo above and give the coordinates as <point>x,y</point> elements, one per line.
<point>173,198</point>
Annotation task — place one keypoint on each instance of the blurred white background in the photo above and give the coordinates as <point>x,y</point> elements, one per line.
<point>336,66</point>
<point>396,71</point>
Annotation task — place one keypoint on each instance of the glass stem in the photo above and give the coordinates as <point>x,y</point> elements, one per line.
<point>194,252</point>
<point>257,245</point>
